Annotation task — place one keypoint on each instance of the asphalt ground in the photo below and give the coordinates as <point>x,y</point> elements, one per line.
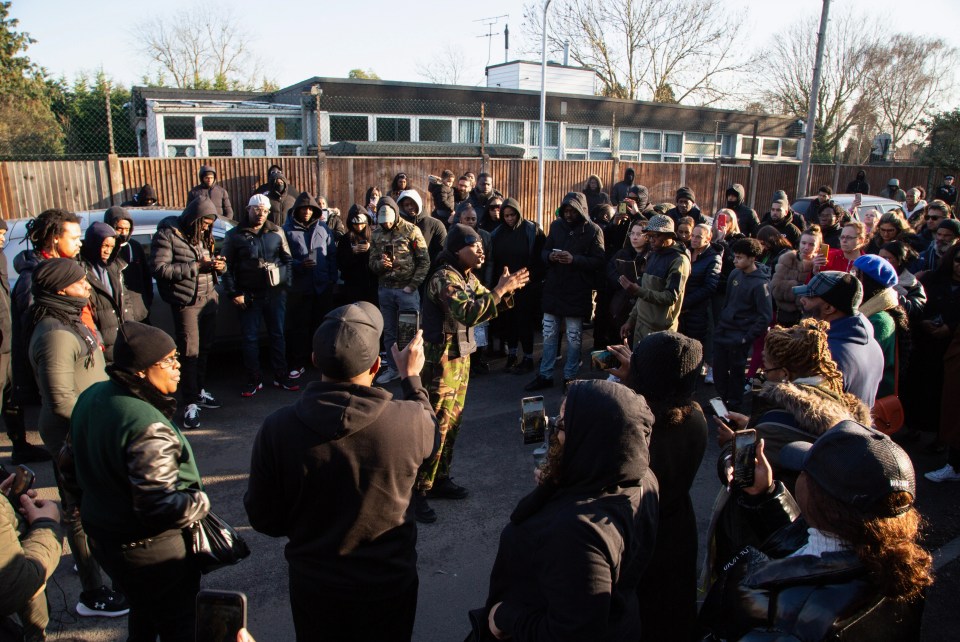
<point>457,552</point>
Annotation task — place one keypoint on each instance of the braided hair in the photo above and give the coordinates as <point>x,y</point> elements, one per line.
<point>47,226</point>
<point>803,351</point>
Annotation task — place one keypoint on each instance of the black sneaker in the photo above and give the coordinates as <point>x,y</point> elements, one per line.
<point>206,400</point>
<point>251,389</point>
<point>421,509</point>
<point>285,383</point>
<point>511,362</point>
<point>27,453</point>
<point>540,383</point>
<point>191,417</point>
<point>102,602</point>
<point>446,489</point>
<point>524,366</point>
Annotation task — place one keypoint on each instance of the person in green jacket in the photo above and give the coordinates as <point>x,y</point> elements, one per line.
<point>881,306</point>
<point>139,483</point>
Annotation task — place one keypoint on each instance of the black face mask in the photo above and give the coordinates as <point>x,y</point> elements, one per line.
<point>122,238</point>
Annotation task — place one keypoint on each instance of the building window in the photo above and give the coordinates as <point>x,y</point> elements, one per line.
<point>629,142</point>
<point>235,124</point>
<point>288,150</point>
<point>354,128</point>
<point>699,145</point>
<point>577,138</point>
<point>393,129</point>
<point>748,145</point>
<point>600,138</point>
<point>552,139</point>
<point>436,131</point>
<point>576,156</point>
<point>650,158</point>
<point>510,132</point>
<point>673,143</point>
<point>254,148</point>
<point>289,129</point>
<point>652,141</point>
<point>470,131</point>
<point>181,151</point>
<point>789,147</point>
<point>727,145</point>
<point>180,127</point>
<point>771,146</point>
<point>219,148</point>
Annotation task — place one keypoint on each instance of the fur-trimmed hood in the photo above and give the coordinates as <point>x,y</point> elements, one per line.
<point>882,300</point>
<point>815,409</point>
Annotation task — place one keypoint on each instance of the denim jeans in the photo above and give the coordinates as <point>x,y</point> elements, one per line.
<point>392,301</point>
<point>551,339</point>
<point>271,306</point>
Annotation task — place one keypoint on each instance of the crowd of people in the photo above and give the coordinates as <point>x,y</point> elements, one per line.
<point>809,327</point>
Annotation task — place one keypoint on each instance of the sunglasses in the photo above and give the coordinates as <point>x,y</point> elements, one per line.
<point>933,218</point>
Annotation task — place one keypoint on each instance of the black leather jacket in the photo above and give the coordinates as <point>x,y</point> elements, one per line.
<point>771,596</point>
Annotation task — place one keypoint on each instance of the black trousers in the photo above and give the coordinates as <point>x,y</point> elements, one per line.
<point>516,323</point>
<point>321,617</point>
<point>729,364</point>
<point>195,327</point>
<point>305,311</point>
<point>161,583</point>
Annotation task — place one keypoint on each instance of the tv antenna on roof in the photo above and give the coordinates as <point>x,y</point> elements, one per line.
<point>490,22</point>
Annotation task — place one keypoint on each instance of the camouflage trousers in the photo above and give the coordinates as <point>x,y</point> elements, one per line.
<point>446,381</point>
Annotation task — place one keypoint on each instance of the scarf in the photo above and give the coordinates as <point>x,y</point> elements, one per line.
<point>68,310</point>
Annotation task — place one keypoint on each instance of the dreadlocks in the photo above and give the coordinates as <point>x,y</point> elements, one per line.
<point>47,226</point>
<point>804,352</point>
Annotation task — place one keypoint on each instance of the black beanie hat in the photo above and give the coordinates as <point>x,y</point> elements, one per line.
<point>666,365</point>
<point>460,236</point>
<point>54,275</point>
<point>139,346</point>
<point>686,192</point>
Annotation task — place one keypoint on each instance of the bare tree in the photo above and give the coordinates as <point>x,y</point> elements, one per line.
<point>447,68</point>
<point>203,48</point>
<point>906,82</point>
<point>646,49</point>
<point>784,70</point>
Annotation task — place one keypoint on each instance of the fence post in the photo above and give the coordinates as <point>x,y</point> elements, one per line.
<point>836,177</point>
<point>106,92</point>
<point>115,179</point>
<point>752,189</point>
<point>716,185</point>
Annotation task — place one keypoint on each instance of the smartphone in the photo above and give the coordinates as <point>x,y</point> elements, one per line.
<point>220,615</point>
<point>721,221</point>
<point>627,269</point>
<point>857,199</point>
<point>533,420</point>
<point>718,407</point>
<point>388,250</point>
<point>603,360</point>
<point>744,454</point>
<point>824,250</point>
<point>622,208</point>
<point>22,482</point>
<point>408,322</point>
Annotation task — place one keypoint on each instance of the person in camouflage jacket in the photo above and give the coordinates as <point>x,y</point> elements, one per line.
<point>398,256</point>
<point>455,302</point>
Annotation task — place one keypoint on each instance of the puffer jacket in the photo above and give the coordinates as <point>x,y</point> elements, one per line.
<point>311,241</point>
<point>790,272</point>
<point>139,478</point>
<point>176,262</point>
<point>215,194</point>
<point>661,292</point>
<point>568,288</point>
<point>747,307</point>
<point>21,298</point>
<point>701,286</point>
<point>248,252</point>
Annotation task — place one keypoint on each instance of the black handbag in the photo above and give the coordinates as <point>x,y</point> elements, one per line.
<point>215,543</point>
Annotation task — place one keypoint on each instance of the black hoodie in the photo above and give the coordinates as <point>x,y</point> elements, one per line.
<point>619,191</point>
<point>568,288</point>
<point>137,276</point>
<point>217,195</point>
<point>573,552</point>
<point>334,474</point>
<point>746,217</point>
<point>859,185</point>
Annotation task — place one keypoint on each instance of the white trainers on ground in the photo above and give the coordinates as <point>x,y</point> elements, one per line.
<point>945,474</point>
<point>387,376</point>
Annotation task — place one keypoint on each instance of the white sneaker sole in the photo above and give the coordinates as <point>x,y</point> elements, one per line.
<point>85,611</point>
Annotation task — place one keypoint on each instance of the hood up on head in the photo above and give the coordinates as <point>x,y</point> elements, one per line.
<point>305,200</point>
<point>93,240</point>
<point>607,430</point>
<point>146,193</point>
<point>195,210</point>
<point>629,175</point>
<point>578,202</point>
<point>413,195</point>
<point>586,186</point>
<point>117,213</point>
<point>513,204</point>
<point>206,169</point>
<point>737,190</point>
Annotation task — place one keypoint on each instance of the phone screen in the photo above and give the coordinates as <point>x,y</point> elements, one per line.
<point>408,322</point>
<point>220,615</point>
<point>718,407</point>
<point>22,482</point>
<point>388,250</point>
<point>533,420</point>
<point>744,453</point>
<point>603,360</point>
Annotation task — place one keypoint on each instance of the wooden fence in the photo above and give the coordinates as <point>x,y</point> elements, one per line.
<point>26,188</point>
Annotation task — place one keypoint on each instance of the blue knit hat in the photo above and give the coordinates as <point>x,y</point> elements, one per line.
<point>877,269</point>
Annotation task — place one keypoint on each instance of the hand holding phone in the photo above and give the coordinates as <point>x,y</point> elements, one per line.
<point>744,457</point>
<point>220,615</point>
<point>533,420</point>
<point>22,482</point>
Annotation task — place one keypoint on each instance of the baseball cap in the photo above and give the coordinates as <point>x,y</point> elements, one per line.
<point>894,182</point>
<point>839,289</point>
<point>259,200</point>
<point>348,340</point>
<point>856,465</point>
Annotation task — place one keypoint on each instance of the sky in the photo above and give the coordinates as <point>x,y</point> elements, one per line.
<point>299,39</point>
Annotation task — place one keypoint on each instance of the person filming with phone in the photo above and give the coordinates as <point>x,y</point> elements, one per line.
<point>455,302</point>
<point>839,562</point>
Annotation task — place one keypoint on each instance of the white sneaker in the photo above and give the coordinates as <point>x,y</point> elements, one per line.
<point>296,374</point>
<point>708,378</point>
<point>387,376</point>
<point>947,473</point>
<point>191,417</point>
